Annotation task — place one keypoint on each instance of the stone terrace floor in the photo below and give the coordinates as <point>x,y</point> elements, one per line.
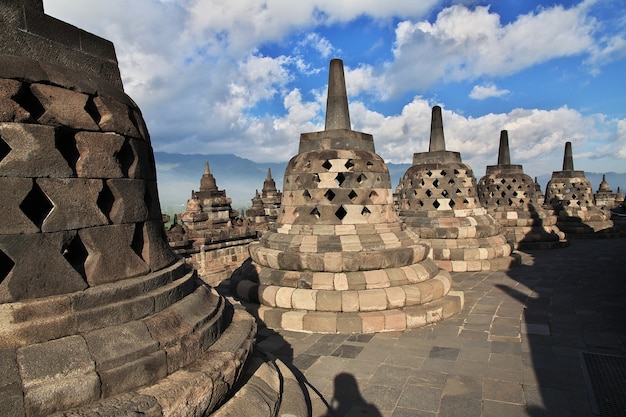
<point>514,350</point>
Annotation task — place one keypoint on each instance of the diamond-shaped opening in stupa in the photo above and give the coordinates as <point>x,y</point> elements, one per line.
<point>330,195</point>
<point>369,164</point>
<point>436,183</point>
<point>429,173</point>
<point>365,212</point>
<point>436,204</point>
<point>327,165</point>
<point>315,212</point>
<point>36,205</point>
<point>4,148</point>
<point>451,203</point>
<point>341,213</point>
<point>75,253</point>
<point>352,195</point>
<point>349,164</point>
<point>445,193</point>
<point>451,181</point>
<point>340,178</point>
<point>306,194</point>
<point>361,178</point>
<point>443,173</point>
<point>316,178</point>
<point>6,265</point>
<point>429,193</point>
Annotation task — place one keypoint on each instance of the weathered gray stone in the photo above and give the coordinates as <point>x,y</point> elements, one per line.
<point>57,375</point>
<point>111,253</point>
<point>129,205</point>
<point>47,274</point>
<point>13,192</point>
<point>156,253</point>
<point>10,110</point>
<point>33,152</point>
<point>98,155</point>
<point>115,117</point>
<point>63,107</point>
<point>75,203</point>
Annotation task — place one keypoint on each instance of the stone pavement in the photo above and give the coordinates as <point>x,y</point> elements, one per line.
<point>514,350</point>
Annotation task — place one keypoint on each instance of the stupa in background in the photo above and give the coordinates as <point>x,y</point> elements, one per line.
<point>438,199</point>
<point>570,195</point>
<point>98,315</point>
<point>339,259</point>
<point>265,205</point>
<point>604,197</point>
<point>510,197</point>
<point>209,209</point>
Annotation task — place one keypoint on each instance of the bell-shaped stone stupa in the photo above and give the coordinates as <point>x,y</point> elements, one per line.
<point>438,199</point>
<point>510,197</point>
<point>339,259</point>
<point>98,316</point>
<point>570,194</point>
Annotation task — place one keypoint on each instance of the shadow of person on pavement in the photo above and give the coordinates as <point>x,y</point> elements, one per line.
<point>347,399</point>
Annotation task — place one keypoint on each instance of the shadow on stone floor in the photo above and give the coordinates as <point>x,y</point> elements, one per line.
<point>574,302</point>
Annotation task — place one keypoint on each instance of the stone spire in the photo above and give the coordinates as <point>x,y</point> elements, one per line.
<point>269,174</point>
<point>207,171</point>
<point>337,114</point>
<point>437,140</point>
<point>568,159</point>
<point>207,182</point>
<point>504,155</point>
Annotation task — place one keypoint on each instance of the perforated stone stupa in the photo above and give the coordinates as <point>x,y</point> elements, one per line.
<point>570,195</point>
<point>97,314</point>
<point>510,197</point>
<point>438,199</point>
<point>339,259</point>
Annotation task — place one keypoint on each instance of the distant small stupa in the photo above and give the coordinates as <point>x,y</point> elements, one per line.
<point>570,195</point>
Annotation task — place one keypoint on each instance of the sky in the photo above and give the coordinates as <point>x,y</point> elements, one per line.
<point>246,77</point>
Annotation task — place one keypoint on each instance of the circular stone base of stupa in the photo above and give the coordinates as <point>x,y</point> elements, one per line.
<point>386,299</point>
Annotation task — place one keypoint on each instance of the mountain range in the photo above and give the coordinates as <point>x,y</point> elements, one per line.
<point>179,174</point>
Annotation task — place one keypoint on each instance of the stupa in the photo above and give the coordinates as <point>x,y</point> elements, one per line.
<point>208,209</point>
<point>339,259</point>
<point>265,205</point>
<point>570,195</point>
<point>439,201</point>
<point>98,316</point>
<point>604,197</point>
<point>509,196</point>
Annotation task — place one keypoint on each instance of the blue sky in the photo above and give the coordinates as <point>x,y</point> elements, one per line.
<point>247,77</point>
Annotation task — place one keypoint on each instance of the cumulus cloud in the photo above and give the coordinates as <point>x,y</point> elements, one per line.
<point>481,92</point>
<point>463,44</point>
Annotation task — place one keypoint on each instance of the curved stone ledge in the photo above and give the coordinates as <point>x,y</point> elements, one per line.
<point>44,319</point>
<point>339,281</point>
<point>362,322</point>
<point>494,264</point>
<point>338,260</point>
<point>193,391</point>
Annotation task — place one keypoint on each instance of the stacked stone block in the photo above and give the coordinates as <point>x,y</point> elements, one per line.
<point>510,197</point>
<point>339,259</point>
<point>98,315</point>
<point>570,195</point>
<point>438,199</point>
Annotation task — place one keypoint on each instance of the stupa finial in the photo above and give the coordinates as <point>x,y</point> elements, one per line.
<point>337,114</point>
<point>568,159</point>
<point>269,173</point>
<point>504,155</point>
<point>437,141</point>
<point>206,168</point>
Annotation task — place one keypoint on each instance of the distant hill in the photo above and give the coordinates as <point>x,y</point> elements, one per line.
<point>179,174</point>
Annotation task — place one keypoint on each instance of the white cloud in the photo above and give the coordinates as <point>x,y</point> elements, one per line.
<point>481,92</point>
<point>465,44</point>
<point>319,43</point>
